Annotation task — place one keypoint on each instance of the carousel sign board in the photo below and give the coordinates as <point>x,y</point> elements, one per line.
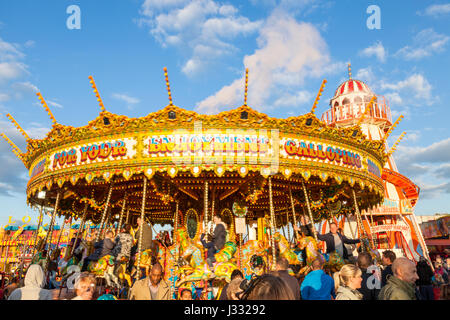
<point>389,228</point>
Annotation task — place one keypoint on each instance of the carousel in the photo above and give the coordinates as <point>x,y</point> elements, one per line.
<point>178,167</point>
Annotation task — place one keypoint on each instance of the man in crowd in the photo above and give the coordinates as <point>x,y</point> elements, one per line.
<point>335,241</point>
<point>153,287</point>
<point>217,242</point>
<point>282,265</point>
<point>102,248</point>
<point>370,285</point>
<point>400,285</point>
<point>317,285</point>
<point>85,285</point>
<point>387,258</point>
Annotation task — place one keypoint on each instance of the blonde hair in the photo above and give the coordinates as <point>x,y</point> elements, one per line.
<point>342,277</point>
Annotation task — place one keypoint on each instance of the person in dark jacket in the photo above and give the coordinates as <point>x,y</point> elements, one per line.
<point>335,241</point>
<point>388,257</point>
<point>217,242</point>
<point>101,248</point>
<point>424,282</point>
<point>370,285</point>
<point>281,267</point>
<point>147,235</point>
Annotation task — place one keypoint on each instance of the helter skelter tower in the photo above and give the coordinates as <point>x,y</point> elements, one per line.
<point>392,225</point>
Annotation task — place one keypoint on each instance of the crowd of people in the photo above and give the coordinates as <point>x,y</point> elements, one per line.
<point>362,278</point>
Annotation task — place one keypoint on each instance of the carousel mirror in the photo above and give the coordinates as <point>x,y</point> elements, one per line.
<point>192,223</point>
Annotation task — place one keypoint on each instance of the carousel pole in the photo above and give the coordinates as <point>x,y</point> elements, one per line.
<point>119,224</point>
<point>128,215</point>
<point>309,212</point>
<point>104,212</point>
<point>174,236</point>
<point>205,209</point>
<point>212,208</point>
<point>50,229</point>
<point>358,219</point>
<point>293,212</point>
<point>61,232</point>
<point>144,196</point>
<point>80,229</point>
<point>37,230</point>
<point>287,224</point>
<point>205,206</point>
<point>272,223</point>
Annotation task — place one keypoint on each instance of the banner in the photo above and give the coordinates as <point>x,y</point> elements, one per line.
<point>389,228</point>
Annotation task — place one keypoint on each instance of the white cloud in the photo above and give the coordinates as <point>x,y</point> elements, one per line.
<point>202,29</point>
<point>287,53</point>
<point>54,104</point>
<point>12,70</point>
<point>366,75</point>
<point>4,97</point>
<point>425,43</point>
<point>10,51</point>
<point>415,86</point>
<point>130,101</point>
<point>377,50</point>
<point>294,100</point>
<point>436,10</point>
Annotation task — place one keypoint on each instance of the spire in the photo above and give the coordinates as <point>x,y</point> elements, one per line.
<point>99,99</point>
<point>318,95</point>
<point>15,149</point>
<point>246,87</point>
<point>394,147</point>
<point>392,128</point>
<point>49,112</point>
<point>349,71</point>
<point>168,86</point>
<point>10,117</point>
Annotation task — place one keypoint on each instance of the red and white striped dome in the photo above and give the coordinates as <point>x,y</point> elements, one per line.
<point>352,86</point>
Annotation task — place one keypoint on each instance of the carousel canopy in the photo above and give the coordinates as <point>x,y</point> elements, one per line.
<point>103,164</point>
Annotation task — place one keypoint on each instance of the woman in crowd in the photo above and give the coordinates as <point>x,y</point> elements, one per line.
<point>85,287</point>
<point>347,282</point>
<point>266,287</point>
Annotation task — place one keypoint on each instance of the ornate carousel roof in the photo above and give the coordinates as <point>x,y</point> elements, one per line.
<point>179,150</point>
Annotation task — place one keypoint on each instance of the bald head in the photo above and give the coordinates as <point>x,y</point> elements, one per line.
<point>316,264</point>
<point>405,270</point>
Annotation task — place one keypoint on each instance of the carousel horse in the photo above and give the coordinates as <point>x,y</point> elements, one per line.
<point>310,245</point>
<point>196,268</point>
<point>334,262</point>
<point>104,268</point>
<point>40,258</point>
<point>250,249</point>
<point>285,249</point>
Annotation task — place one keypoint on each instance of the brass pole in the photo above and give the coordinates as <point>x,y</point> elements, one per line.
<point>128,215</point>
<point>104,212</point>
<point>80,229</point>
<point>122,212</point>
<point>41,218</point>
<point>358,218</point>
<point>293,213</point>
<point>174,236</point>
<point>205,206</point>
<point>141,227</point>
<point>310,212</point>
<point>50,229</point>
<point>61,232</point>
<point>272,223</point>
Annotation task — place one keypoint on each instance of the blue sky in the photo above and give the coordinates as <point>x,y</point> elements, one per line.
<point>289,47</point>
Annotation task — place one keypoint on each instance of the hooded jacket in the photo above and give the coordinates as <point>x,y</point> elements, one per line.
<point>397,289</point>
<point>34,282</point>
<point>219,236</point>
<point>345,293</point>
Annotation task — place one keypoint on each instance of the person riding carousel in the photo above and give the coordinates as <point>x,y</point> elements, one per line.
<point>102,248</point>
<point>217,241</point>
